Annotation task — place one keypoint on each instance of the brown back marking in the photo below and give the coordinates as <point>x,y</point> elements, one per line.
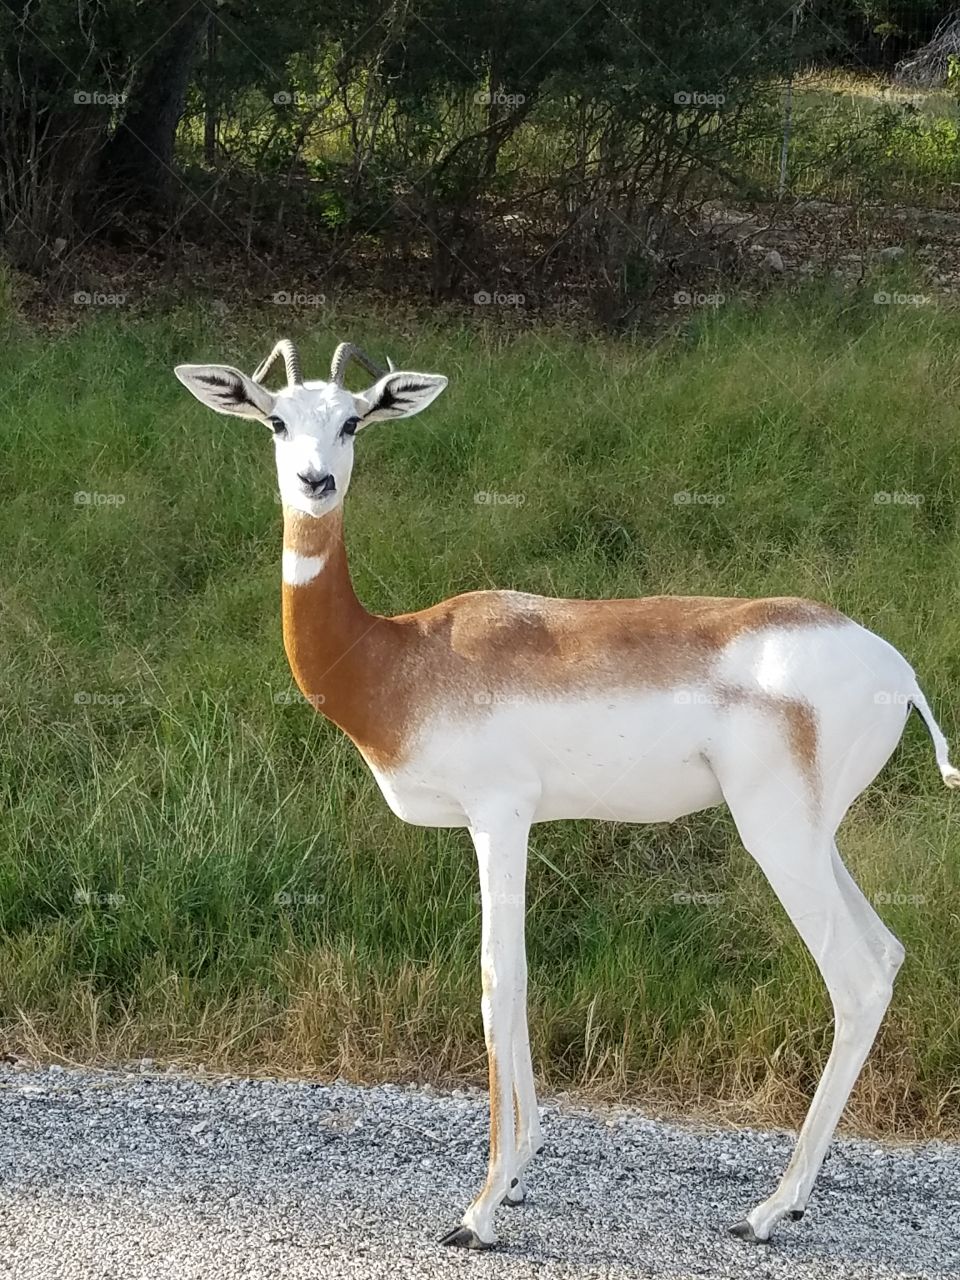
<point>379,678</point>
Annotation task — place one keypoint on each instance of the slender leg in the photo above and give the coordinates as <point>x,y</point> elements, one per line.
<point>886,945</point>
<point>501,845</point>
<point>529,1139</point>
<point>798,861</point>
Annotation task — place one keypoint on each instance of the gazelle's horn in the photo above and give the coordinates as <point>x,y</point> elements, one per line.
<point>291,360</point>
<point>348,351</point>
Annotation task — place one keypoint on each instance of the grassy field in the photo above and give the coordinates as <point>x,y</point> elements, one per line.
<point>194,866</point>
<point>858,139</point>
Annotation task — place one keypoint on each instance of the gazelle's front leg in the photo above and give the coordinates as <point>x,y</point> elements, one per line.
<point>501,845</point>
<point>527,1114</point>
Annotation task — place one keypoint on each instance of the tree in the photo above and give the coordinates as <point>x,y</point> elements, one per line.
<point>137,162</point>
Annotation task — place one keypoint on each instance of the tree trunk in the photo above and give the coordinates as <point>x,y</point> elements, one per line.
<point>138,163</point>
<point>209,100</point>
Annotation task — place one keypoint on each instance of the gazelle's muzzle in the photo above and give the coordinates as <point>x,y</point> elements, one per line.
<point>316,484</point>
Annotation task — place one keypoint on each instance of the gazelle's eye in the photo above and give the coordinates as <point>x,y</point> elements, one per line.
<point>350,426</point>
<point>278,425</point>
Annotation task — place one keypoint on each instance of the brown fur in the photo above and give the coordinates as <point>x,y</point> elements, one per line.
<point>378,677</point>
<point>802,736</point>
<point>496,1103</point>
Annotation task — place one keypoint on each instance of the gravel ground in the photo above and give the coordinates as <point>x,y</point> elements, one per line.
<point>132,1174</point>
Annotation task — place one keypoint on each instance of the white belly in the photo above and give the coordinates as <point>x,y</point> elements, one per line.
<point>636,758</point>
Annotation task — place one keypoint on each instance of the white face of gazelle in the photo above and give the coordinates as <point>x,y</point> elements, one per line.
<point>313,424</point>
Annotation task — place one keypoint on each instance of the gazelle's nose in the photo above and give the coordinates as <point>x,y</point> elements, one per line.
<point>317,485</point>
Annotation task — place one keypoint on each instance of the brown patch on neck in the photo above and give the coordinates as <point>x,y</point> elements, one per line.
<point>341,656</point>
<point>313,535</point>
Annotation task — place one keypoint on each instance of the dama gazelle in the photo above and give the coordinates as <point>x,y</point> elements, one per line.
<point>495,710</point>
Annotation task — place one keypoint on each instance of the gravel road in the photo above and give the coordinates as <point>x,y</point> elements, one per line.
<point>135,1174</point>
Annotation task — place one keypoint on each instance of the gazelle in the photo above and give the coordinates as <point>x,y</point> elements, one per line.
<point>494,710</point>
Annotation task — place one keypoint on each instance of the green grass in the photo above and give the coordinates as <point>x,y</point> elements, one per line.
<point>857,139</point>
<point>194,865</point>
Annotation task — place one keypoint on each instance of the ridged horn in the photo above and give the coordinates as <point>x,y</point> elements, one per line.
<point>348,351</point>
<point>291,360</point>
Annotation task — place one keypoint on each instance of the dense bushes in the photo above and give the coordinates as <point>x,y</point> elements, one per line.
<point>561,147</point>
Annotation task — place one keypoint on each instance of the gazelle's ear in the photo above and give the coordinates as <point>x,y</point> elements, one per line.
<point>227,390</point>
<point>398,395</point>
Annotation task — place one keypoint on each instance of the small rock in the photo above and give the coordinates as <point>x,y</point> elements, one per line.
<point>892,253</point>
<point>774,261</point>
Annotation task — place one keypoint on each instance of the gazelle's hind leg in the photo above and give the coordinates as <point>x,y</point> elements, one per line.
<point>887,946</point>
<point>857,960</point>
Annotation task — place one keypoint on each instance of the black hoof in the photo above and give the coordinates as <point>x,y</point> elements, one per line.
<point>795,1215</point>
<point>464,1238</point>
<point>539,1150</point>
<point>744,1231</point>
<point>514,1204</point>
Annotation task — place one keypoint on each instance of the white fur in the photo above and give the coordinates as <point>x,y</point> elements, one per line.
<point>313,414</point>
<point>299,569</point>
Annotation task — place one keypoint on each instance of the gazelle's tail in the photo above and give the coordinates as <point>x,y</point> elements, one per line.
<point>950,775</point>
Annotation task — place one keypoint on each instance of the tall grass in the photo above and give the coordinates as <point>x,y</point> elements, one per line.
<point>194,865</point>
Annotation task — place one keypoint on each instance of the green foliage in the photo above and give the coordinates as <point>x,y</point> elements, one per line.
<point>858,143</point>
